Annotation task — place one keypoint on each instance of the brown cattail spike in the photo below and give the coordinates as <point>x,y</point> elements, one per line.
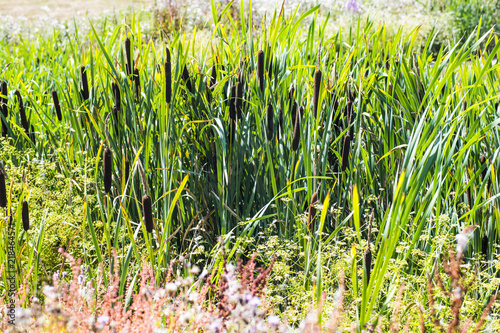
<point>127,169</point>
<point>85,84</point>
<point>128,54</point>
<point>485,165</point>
<point>368,264</point>
<point>345,152</point>
<point>168,78</point>
<point>108,169</point>
<point>22,112</point>
<point>317,86</point>
<point>484,246</point>
<point>25,216</point>
<point>312,211</point>
<point>296,130</point>
<point>187,78</point>
<point>147,213</point>
<point>137,82</point>
<point>57,106</point>
<point>270,116</point>
<point>5,111</point>
<point>260,69</point>
<point>3,192</point>
<point>117,96</point>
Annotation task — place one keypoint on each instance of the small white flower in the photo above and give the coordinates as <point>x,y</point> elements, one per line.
<point>171,288</point>
<point>273,320</point>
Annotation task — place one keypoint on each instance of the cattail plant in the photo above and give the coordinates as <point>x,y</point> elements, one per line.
<point>128,54</point>
<point>127,169</point>
<point>25,216</point>
<point>187,78</point>
<point>85,84</point>
<point>260,69</point>
<point>312,211</point>
<point>5,112</point>
<point>137,83</point>
<point>213,77</point>
<point>317,86</point>
<point>270,116</point>
<point>22,112</point>
<point>484,247</point>
<point>147,213</point>
<point>108,169</point>
<point>368,263</point>
<point>348,113</point>
<point>345,152</point>
<point>117,98</point>
<point>485,167</point>
<point>296,129</point>
<point>57,106</point>
<point>168,78</point>
<point>3,192</point>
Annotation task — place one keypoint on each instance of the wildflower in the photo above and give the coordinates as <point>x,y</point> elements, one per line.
<point>80,279</point>
<point>353,6</point>
<point>273,320</point>
<point>101,322</point>
<point>171,288</point>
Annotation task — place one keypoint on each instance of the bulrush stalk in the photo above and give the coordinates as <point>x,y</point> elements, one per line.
<point>296,129</point>
<point>317,86</point>
<point>22,113</point>
<point>5,112</point>
<point>128,54</point>
<point>270,116</point>
<point>312,211</point>
<point>485,165</point>
<point>147,213</point>
<point>116,96</point>
<point>137,82</point>
<point>85,84</point>
<point>187,78</point>
<point>57,106</point>
<point>108,169</point>
<point>260,69</point>
<point>345,152</point>
<point>368,263</point>
<point>239,99</point>
<point>168,78</point>
<point>484,247</point>
<point>25,216</point>
<point>3,192</point>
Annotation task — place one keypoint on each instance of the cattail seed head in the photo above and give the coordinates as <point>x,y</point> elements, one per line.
<point>232,104</point>
<point>187,79</point>
<point>127,169</point>
<point>260,69</point>
<point>291,94</point>
<point>3,192</point>
<point>270,116</point>
<point>168,78</point>
<point>108,169</point>
<point>116,95</point>
<point>147,213</point>
<point>296,130</point>
<point>239,99</point>
<point>312,211</point>
<point>25,216</point>
<point>137,82</point>
<point>57,106</point>
<point>85,84</point>
<point>294,113</point>
<point>345,152</point>
<point>317,86</point>
<point>128,54</point>
<point>484,246</point>
<point>22,112</point>
<point>368,264</point>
